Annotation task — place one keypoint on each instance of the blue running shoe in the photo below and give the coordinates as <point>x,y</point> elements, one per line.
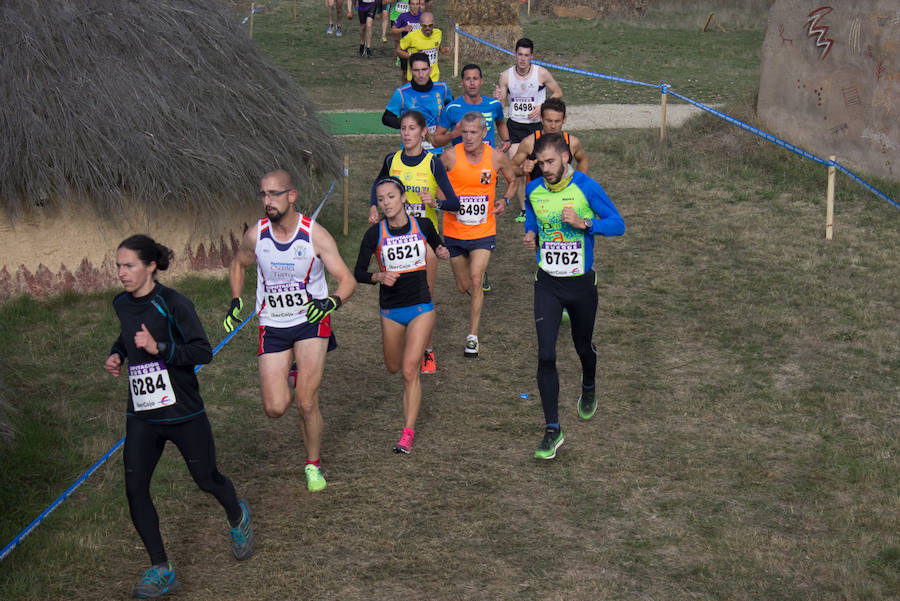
<point>242,535</point>
<point>157,581</point>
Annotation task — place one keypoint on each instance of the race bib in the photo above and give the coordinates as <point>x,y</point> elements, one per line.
<point>150,386</point>
<point>285,302</point>
<point>416,209</point>
<point>432,55</point>
<point>522,105</point>
<point>403,253</point>
<point>562,258</point>
<point>473,210</point>
<point>402,7</point>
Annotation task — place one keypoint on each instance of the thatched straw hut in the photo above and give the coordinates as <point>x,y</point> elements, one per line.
<point>591,9</point>
<point>120,116</point>
<point>496,21</point>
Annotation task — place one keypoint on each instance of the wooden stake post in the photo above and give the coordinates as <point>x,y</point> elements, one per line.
<point>295,10</point>
<point>662,125</point>
<point>252,10</point>
<point>455,53</point>
<point>346,192</point>
<point>829,200</point>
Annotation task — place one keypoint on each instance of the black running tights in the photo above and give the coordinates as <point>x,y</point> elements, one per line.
<point>144,445</point>
<point>578,295</point>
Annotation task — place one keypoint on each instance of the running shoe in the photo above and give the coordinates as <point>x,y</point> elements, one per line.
<point>384,39</point>
<point>397,62</point>
<point>156,582</point>
<point>521,217</point>
<point>330,29</point>
<point>362,49</point>
<point>242,535</point>
<point>587,403</point>
<point>428,364</point>
<point>368,52</point>
<point>314,479</point>
<point>565,316</point>
<point>292,376</point>
<point>404,445</point>
<point>485,284</point>
<point>552,440</point>
<point>471,346</point>
<point>338,31</point>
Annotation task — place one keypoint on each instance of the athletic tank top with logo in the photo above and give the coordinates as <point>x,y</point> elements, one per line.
<point>416,179</point>
<point>289,275</point>
<point>403,253</point>
<point>525,95</point>
<point>475,186</point>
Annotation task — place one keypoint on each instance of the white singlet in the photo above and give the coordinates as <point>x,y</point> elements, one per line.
<point>525,95</point>
<point>288,275</point>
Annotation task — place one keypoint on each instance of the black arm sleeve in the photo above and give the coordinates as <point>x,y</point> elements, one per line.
<point>434,239</point>
<point>440,176</point>
<point>193,348</point>
<point>366,250</point>
<point>385,171</point>
<point>390,119</point>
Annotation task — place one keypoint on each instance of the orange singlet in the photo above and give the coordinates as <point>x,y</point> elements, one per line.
<point>475,186</point>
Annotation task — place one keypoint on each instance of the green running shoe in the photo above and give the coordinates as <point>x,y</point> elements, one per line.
<point>156,582</point>
<point>587,404</point>
<point>552,440</point>
<point>521,217</point>
<point>242,538</point>
<point>314,479</point>
<point>485,284</point>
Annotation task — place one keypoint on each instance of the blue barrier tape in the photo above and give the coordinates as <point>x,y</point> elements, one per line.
<point>667,89</point>
<point>40,518</point>
<point>258,9</point>
<point>322,204</point>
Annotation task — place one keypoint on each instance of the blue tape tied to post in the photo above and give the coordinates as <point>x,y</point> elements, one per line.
<point>667,89</point>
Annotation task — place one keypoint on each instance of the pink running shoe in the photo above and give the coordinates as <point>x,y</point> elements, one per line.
<point>404,445</point>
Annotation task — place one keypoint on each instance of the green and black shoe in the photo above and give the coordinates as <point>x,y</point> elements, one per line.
<point>552,440</point>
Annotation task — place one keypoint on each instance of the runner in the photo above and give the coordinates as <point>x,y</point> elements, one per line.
<point>292,253</point>
<point>565,209</point>
<point>425,179</point>
<point>366,10</point>
<point>407,312</point>
<point>340,15</point>
<point>426,39</point>
<point>526,85</point>
<point>402,24</point>
<point>553,117</point>
<point>162,339</point>
<point>470,234</point>
<point>472,100</point>
<point>421,94</point>
<point>384,9</point>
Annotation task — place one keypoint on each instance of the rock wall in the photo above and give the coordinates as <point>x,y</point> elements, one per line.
<point>830,80</point>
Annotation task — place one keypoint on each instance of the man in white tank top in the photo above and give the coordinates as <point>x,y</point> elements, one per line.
<point>526,86</point>
<point>292,253</point>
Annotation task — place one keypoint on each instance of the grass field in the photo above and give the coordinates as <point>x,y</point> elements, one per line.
<point>745,446</point>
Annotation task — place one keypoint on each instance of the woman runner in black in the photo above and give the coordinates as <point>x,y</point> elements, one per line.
<point>162,339</point>
<point>402,245</point>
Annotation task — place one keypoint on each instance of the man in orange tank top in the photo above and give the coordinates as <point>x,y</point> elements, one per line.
<point>470,234</point>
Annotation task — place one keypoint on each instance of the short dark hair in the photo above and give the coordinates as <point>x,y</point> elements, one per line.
<point>469,67</point>
<point>149,251</point>
<point>554,141</point>
<point>525,43</point>
<point>418,57</point>
<point>554,104</point>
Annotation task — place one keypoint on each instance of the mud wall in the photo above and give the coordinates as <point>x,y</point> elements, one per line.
<point>830,80</point>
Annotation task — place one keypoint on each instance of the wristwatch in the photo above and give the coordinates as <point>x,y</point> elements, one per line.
<point>588,223</point>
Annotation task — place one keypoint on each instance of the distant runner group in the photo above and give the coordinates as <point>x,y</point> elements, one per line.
<point>562,210</point>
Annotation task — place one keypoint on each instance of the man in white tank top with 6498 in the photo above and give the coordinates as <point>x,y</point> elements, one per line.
<point>527,87</point>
